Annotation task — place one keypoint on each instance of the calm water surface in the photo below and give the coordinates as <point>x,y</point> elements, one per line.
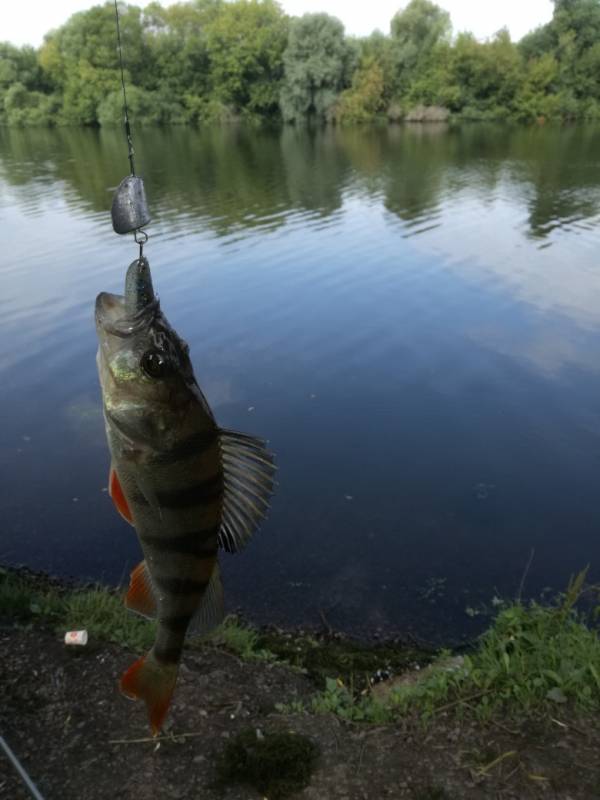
<point>411,316</point>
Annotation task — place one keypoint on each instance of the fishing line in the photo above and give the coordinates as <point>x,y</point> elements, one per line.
<point>129,210</point>
<point>33,790</point>
<point>131,151</point>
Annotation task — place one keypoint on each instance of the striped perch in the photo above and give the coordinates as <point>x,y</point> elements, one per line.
<point>187,486</point>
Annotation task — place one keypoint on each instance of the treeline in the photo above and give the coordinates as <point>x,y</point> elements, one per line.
<point>211,60</point>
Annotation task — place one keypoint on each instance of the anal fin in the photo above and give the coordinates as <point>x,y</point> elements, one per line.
<point>141,596</point>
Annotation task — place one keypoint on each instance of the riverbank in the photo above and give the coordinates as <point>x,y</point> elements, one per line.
<point>282,710</point>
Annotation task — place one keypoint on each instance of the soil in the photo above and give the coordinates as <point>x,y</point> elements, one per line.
<point>79,738</point>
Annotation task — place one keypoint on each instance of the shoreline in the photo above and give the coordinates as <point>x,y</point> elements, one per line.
<point>274,714</point>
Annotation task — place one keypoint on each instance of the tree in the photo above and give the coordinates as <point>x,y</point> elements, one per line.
<point>245,44</point>
<point>81,59</point>
<point>415,33</point>
<point>317,62</point>
<point>364,99</point>
<point>538,42</point>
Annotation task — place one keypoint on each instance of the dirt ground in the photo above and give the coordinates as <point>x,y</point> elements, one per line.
<point>63,716</point>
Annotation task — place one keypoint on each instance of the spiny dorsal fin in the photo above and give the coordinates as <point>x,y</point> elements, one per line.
<point>141,596</point>
<point>248,480</point>
<point>210,612</point>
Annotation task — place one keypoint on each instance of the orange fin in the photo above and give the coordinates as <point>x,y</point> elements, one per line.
<point>154,683</point>
<point>140,596</point>
<point>118,498</point>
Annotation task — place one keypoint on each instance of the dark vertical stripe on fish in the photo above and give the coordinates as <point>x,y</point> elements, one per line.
<point>209,489</point>
<point>179,585</point>
<point>178,624</point>
<point>192,543</point>
<point>193,446</point>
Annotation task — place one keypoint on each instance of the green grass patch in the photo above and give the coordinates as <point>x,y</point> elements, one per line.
<point>241,639</point>
<point>22,599</point>
<point>102,613</point>
<point>100,610</point>
<point>276,764</point>
<point>532,659</point>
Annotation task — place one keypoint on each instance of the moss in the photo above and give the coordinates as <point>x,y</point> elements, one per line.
<point>276,764</point>
<point>341,657</point>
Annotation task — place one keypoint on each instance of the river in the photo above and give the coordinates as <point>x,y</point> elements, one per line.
<point>410,315</point>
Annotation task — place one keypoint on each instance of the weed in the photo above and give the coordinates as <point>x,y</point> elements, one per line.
<point>20,601</point>
<point>99,610</point>
<point>532,657</point>
<point>102,613</point>
<point>240,639</point>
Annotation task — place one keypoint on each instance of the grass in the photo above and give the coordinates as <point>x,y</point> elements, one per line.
<point>531,660</point>
<point>241,639</point>
<point>99,610</point>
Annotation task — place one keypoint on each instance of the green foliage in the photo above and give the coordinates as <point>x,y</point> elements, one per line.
<point>23,107</point>
<point>338,699</point>
<point>416,32</point>
<point>245,45</point>
<point>219,61</point>
<point>100,611</point>
<point>145,107</point>
<point>317,63</point>
<point>364,100</point>
<point>20,600</point>
<point>532,659</point>
<point>275,764</point>
<point>240,639</point>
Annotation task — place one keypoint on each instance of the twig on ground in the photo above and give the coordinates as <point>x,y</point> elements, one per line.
<point>496,724</point>
<point>495,762</point>
<point>459,701</point>
<point>170,737</point>
<point>567,726</point>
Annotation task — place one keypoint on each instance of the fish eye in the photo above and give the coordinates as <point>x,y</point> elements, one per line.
<point>155,364</point>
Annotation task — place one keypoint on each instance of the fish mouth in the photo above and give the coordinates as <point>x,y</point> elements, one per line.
<point>114,317</point>
<point>110,309</point>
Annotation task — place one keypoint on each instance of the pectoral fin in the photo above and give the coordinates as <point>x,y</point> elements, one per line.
<point>118,497</point>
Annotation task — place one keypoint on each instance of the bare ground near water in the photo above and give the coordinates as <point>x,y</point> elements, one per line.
<point>63,716</point>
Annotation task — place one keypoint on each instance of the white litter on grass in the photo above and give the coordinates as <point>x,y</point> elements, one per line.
<point>76,637</point>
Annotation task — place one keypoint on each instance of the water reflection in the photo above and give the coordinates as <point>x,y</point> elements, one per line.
<point>408,313</point>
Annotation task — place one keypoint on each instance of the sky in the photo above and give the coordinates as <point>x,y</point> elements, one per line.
<point>26,21</point>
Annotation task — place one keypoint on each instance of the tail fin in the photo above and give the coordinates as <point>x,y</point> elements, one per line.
<point>154,683</point>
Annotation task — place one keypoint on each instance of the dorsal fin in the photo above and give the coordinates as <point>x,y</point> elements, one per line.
<point>248,480</point>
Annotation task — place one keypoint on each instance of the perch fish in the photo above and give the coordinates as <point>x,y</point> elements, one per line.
<point>187,486</point>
